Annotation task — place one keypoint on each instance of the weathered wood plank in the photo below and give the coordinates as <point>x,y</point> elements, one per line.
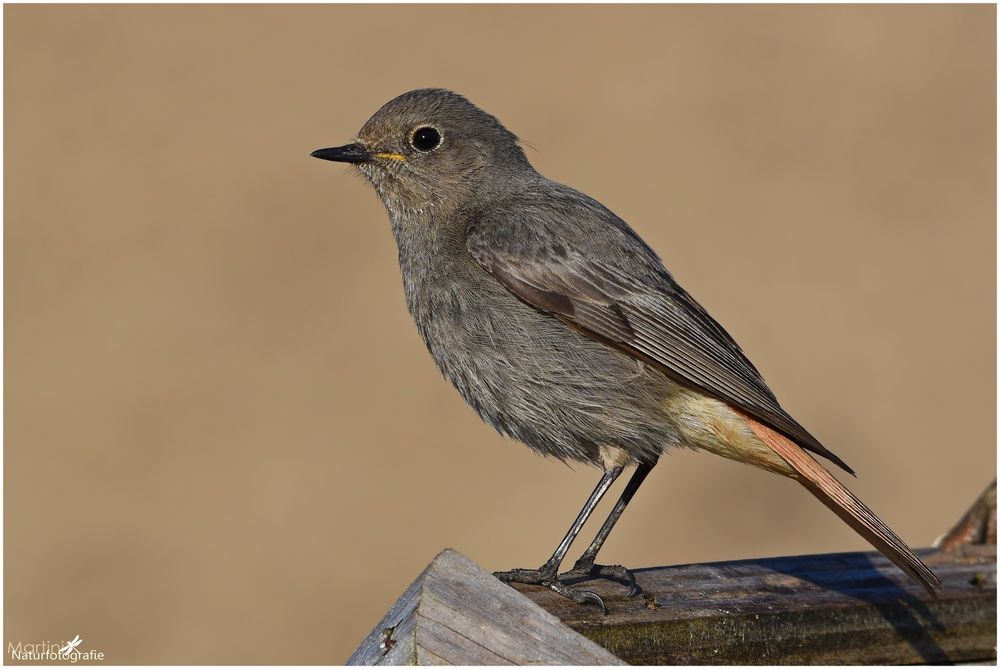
<point>844,608</point>
<point>849,608</point>
<point>455,613</point>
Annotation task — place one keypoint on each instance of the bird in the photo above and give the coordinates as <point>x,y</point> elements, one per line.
<point>564,330</point>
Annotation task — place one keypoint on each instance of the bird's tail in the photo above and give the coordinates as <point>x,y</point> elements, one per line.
<point>842,501</point>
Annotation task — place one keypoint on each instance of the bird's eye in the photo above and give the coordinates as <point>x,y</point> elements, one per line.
<point>425,139</point>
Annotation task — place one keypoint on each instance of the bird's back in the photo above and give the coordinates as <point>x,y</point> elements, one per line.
<point>566,254</point>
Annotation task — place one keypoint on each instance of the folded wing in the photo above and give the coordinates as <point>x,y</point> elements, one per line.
<point>625,299</point>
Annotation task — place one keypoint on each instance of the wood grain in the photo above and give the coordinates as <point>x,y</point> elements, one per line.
<point>455,613</point>
<point>847,608</point>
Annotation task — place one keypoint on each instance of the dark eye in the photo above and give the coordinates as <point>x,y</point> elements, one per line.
<point>425,139</point>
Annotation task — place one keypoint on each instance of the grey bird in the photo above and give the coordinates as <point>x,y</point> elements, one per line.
<point>563,329</point>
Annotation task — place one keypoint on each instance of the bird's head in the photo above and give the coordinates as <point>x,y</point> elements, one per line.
<point>433,149</point>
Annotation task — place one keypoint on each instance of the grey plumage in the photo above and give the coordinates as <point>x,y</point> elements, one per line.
<point>619,291</point>
<point>552,257</point>
<point>560,326</point>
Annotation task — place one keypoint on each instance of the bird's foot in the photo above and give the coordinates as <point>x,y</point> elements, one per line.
<point>585,568</point>
<point>550,579</point>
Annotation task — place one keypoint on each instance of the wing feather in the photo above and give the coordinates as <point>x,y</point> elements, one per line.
<point>625,298</point>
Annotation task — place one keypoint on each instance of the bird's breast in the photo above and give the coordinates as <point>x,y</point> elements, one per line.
<point>525,372</point>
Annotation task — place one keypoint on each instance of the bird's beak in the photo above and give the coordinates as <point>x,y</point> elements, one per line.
<point>349,153</point>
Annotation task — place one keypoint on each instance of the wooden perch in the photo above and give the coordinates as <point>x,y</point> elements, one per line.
<point>456,613</point>
<point>843,608</point>
<point>846,608</point>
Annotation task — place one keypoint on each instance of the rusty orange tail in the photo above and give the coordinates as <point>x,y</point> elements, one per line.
<point>842,501</point>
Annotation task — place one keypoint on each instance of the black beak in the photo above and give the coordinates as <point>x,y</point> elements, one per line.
<point>349,153</point>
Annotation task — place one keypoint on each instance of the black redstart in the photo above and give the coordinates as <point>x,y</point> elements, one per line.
<point>564,330</point>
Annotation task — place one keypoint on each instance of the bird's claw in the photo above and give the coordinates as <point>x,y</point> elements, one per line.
<point>550,579</point>
<point>615,572</point>
<point>578,596</point>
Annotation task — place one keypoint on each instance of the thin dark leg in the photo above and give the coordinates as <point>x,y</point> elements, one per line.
<point>547,574</point>
<point>606,482</point>
<point>585,565</point>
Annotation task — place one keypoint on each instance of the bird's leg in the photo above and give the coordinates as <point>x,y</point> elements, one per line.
<point>585,565</point>
<point>548,573</point>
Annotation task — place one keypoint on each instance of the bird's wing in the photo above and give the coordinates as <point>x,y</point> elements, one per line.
<point>619,293</point>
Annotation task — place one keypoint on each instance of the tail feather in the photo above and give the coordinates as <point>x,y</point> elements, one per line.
<point>845,504</point>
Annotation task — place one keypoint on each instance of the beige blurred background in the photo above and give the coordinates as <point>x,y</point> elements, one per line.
<point>225,441</point>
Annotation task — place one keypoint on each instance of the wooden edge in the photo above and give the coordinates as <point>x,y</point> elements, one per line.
<point>457,613</point>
